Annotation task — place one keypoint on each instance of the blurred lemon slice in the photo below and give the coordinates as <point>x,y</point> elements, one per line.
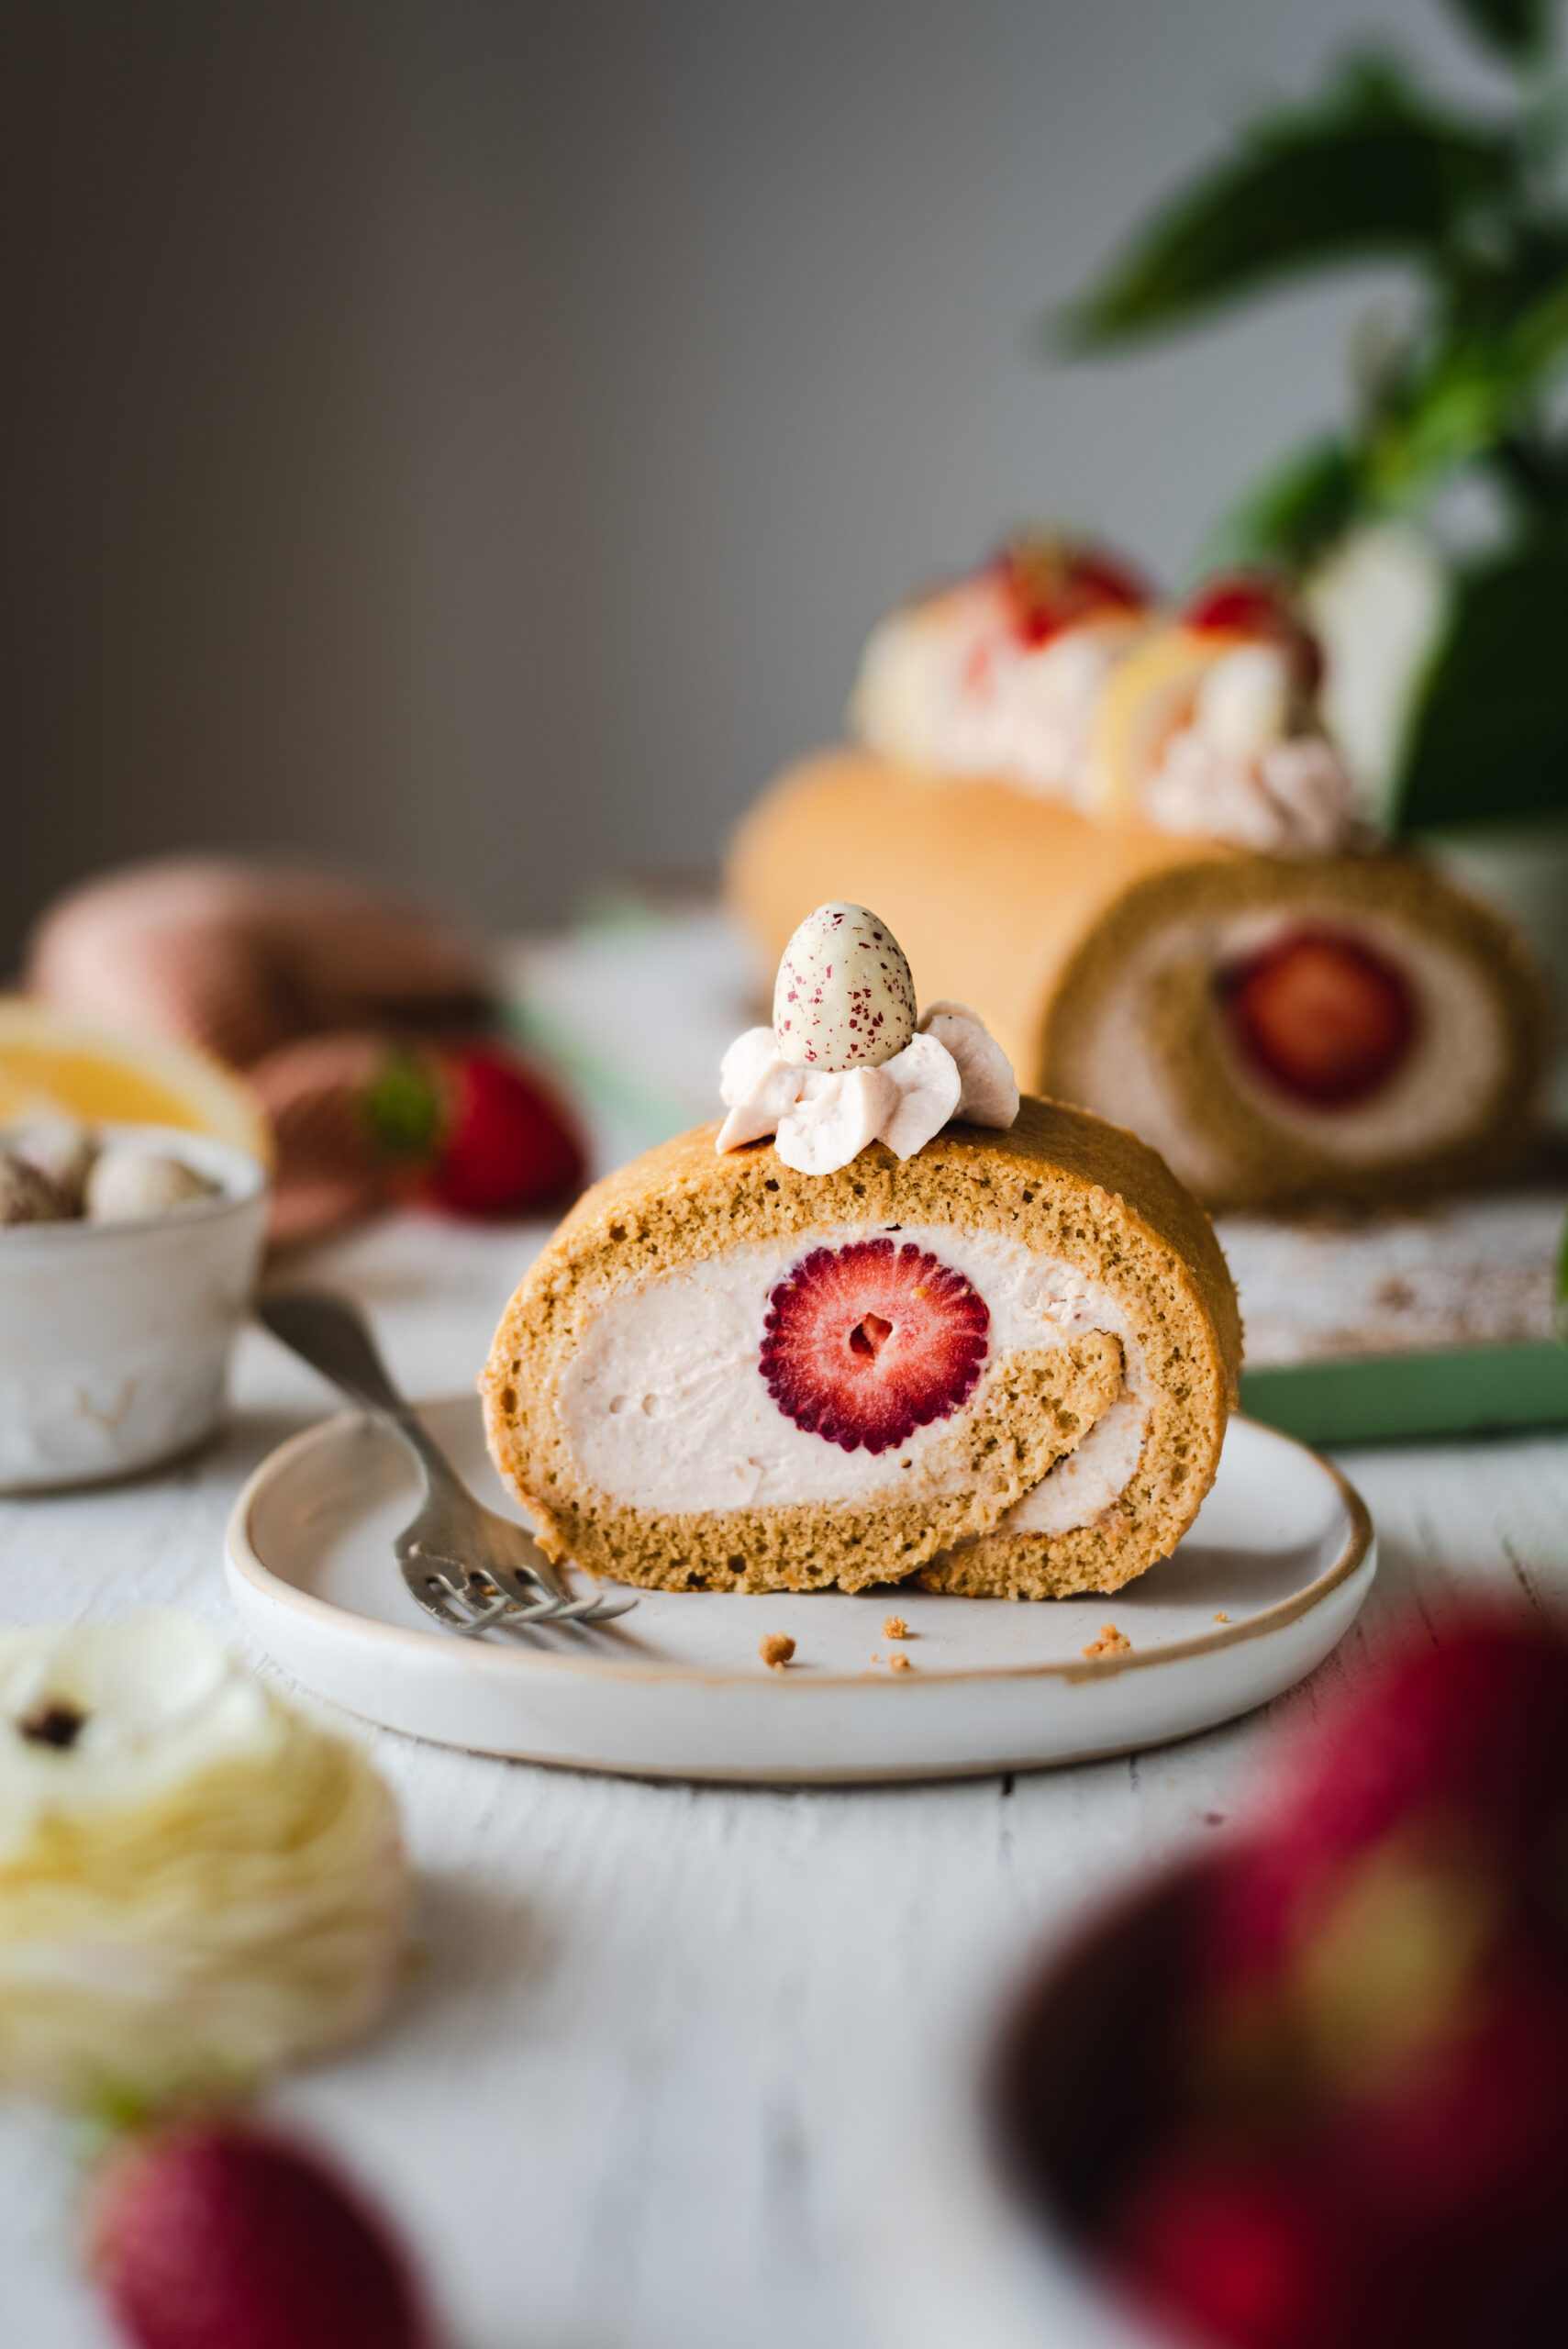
<point>1147,697</point>
<point>55,1064</point>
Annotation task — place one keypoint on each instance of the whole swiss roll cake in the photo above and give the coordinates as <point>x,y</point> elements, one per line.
<point>1123,838</point>
<point>1003,1360</point>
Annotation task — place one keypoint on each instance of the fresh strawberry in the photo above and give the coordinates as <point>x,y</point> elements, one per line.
<point>217,2236</point>
<point>1383,1977</point>
<point>1252,604</point>
<point>866,1343</point>
<point>1243,2246</point>
<point>475,1127</point>
<point>1468,2124</point>
<point>1355,2131</point>
<point>1053,583</point>
<point>1450,1766</point>
<point>1322,1015</point>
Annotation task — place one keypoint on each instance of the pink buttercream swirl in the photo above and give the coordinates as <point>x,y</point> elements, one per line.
<point>822,1119</point>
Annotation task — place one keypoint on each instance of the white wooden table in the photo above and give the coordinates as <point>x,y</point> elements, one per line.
<point>650,2085</point>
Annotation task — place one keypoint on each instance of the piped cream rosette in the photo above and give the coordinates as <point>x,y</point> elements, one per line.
<point>197,1885</point>
<point>821,1118</point>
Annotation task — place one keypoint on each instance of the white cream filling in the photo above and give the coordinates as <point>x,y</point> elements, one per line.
<point>665,1407</point>
<point>1437,1095</point>
<point>1083,1487</point>
<point>949,684</point>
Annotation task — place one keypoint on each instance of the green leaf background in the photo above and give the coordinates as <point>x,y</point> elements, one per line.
<point>1372,172</point>
<point>1474,206</point>
<point>1516,28</point>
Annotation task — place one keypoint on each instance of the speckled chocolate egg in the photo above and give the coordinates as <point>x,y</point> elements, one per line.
<point>844,997</point>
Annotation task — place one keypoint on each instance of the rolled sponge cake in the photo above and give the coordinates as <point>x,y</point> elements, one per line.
<point>722,1373</point>
<point>1097,955</point>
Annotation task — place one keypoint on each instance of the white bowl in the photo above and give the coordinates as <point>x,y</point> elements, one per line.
<point>115,1337</point>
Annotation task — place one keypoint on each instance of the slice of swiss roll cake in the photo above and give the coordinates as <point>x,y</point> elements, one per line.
<point>886,1319</point>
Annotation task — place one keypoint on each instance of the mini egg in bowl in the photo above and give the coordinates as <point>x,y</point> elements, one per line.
<point>123,1283</point>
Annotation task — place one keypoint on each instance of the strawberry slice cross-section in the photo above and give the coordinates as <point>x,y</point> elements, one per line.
<point>1322,1015</point>
<point>864,1344</point>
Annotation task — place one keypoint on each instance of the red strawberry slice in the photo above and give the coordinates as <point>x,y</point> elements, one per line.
<point>1322,1015</point>
<point>1251,604</point>
<point>1054,585</point>
<point>217,2236</point>
<point>866,1343</point>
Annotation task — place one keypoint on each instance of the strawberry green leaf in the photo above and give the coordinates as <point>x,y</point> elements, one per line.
<point>402,1108</point>
<point>1371,171</point>
<point>1516,29</point>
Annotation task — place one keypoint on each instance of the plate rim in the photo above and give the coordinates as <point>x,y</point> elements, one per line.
<point>243,1558</point>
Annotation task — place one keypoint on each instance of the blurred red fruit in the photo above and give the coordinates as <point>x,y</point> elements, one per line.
<point>1353,2028</point>
<point>217,2236</point>
<point>1249,603</point>
<point>1321,1015</point>
<point>1053,584</point>
<point>1241,2247</point>
<point>1459,1751</point>
<point>1471,2132</point>
<point>478,1130</point>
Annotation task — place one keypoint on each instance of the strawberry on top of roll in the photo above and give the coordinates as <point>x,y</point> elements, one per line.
<point>1000,673</point>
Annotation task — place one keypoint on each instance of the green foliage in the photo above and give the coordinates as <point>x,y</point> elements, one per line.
<point>1491,739</point>
<point>1474,386</point>
<point>1370,173</point>
<point>1296,512</point>
<point>1518,28</point>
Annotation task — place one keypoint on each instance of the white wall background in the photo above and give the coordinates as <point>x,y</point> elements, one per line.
<point>473,438</point>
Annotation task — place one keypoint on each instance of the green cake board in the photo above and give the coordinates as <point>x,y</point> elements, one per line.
<point>1378,1398</point>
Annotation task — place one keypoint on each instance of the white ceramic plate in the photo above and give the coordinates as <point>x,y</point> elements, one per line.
<point>1282,1547</point>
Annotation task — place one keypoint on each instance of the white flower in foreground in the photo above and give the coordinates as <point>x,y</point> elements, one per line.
<point>197,1885</point>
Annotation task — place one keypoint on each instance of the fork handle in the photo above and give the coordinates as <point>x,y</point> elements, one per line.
<point>332,1335</point>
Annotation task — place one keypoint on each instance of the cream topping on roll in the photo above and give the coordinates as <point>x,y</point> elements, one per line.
<point>1211,731</point>
<point>949,684</point>
<point>1241,771</point>
<point>665,1406</point>
<point>821,1118</point>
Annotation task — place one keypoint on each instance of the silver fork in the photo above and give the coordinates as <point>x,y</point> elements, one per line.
<point>472,1570</point>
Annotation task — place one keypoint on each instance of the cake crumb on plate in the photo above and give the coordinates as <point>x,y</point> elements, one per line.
<point>1110,1642</point>
<point>899,1664</point>
<point>1222,1616</point>
<point>895,1627</point>
<point>775,1648</point>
